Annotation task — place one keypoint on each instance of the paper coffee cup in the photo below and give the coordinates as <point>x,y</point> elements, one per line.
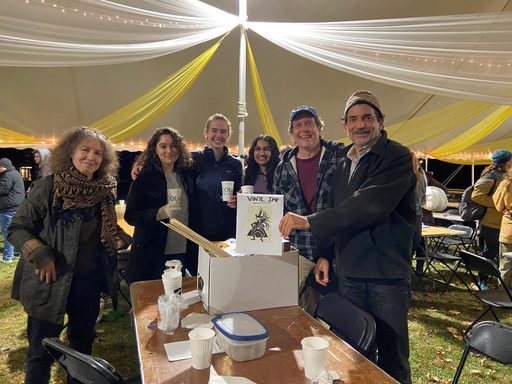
<point>314,350</point>
<point>227,190</point>
<point>201,346</point>
<point>174,196</point>
<point>247,189</point>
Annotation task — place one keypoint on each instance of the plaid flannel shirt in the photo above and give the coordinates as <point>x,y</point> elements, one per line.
<point>286,182</point>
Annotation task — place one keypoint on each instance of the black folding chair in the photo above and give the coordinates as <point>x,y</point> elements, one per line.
<point>500,297</point>
<point>123,256</point>
<point>84,368</point>
<point>490,338</point>
<point>446,253</point>
<point>348,321</point>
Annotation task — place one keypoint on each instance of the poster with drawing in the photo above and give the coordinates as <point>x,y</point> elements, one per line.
<point>257,224</point>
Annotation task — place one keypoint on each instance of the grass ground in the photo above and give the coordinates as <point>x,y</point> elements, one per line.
<point>436,325</point>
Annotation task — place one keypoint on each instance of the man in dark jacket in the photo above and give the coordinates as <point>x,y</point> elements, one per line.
<point>12,192</point>
<point>371,222</point>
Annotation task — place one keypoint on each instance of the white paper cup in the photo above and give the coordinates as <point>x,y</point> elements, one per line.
<point>173,264</point>
<point>174,197</point>
<point>227,190</point>
<point>172,280</point>
<point>247,189</point>
<point>314,350</point>
<point>201,345</point>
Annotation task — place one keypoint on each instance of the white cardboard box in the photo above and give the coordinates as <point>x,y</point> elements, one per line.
<point>246,283</point>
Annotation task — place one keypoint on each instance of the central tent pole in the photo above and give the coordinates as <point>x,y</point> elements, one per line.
<point>242,78</point>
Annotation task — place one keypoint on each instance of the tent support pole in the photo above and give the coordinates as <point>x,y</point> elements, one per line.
<point>242,78</point>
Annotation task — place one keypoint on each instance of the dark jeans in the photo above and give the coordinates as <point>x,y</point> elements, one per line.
<point>388,300</point>
<point>490,246</point>
<point>82,309</point>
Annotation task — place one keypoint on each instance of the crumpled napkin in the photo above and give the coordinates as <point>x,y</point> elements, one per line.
<point>326,377</point>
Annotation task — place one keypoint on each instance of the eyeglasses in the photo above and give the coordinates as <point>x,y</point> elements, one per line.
<point>366,119</point>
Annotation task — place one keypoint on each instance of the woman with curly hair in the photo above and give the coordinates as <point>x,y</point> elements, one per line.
<point>261,163</point>
<point>67,232</point>
<point>165,173</point>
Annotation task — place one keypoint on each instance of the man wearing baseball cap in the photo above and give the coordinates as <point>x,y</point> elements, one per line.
<point>369,228</point>
<point>304,177</point>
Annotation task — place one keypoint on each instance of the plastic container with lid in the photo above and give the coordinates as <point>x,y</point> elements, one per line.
<point>241,335</point>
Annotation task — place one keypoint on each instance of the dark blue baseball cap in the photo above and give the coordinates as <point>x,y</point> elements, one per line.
<point>303,109</point>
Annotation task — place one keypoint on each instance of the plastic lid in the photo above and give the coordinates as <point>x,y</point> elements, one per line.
<point>240,326</point>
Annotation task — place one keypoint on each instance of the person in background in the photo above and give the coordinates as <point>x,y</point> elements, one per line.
<point>489,226</point>
<point>212,166</point>
<point>261,163</point>
<point>503,201</point>
<point>305,176</point>
<point>166,165</point>
<point>427,216</point>
<point>421,190</point>
<point>41,158</point>
<point>67,232</point>
<point>12,192</point>
<point>371,221</point>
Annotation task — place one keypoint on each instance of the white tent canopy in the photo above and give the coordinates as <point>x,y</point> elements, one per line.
<point>45,100</point>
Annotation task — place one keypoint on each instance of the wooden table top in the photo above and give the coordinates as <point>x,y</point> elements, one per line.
<point>433,231</point>
<point>282,362</point>
<point>448,216</point>
<point>121,222</point>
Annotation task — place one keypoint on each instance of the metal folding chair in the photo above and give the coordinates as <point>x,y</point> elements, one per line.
<point>348,321</point>
<point>490,338</point>
<point>123,256</point>
<point>500,297</point>
<point>446,253</point>
<point>84,368</point>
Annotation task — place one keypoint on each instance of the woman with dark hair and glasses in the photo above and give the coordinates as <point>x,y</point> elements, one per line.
<point>261,163</point>
<point>67,232</point>
<point>163,189</point>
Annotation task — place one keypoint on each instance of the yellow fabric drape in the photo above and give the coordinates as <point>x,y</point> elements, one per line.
<point>474,134</point>
<point>269,125</point>
<point>437,122</point>
<point>12,137</point>
<point>432,124</point>
<point>136,116</point>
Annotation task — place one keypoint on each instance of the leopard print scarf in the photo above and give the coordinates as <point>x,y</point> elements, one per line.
<point>72,190</point>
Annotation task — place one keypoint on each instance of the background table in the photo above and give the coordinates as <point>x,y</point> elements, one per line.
<point>282,362</point>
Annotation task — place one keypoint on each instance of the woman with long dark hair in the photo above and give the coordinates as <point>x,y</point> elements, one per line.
<point>165,173</point>
<point>261,163</point>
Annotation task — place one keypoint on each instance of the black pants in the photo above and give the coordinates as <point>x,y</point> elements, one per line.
<point>82,309</point>
<point>388,300</point>
<point>490,246</point>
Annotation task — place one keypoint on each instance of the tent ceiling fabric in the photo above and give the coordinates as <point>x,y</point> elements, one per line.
<point>45,101</point>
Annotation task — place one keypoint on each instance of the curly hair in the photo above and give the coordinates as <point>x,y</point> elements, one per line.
<point>62,153</point>
<point>149,155</point>
<point>252,169</point>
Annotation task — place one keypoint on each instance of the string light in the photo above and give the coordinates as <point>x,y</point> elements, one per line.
<point>144,22</point>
